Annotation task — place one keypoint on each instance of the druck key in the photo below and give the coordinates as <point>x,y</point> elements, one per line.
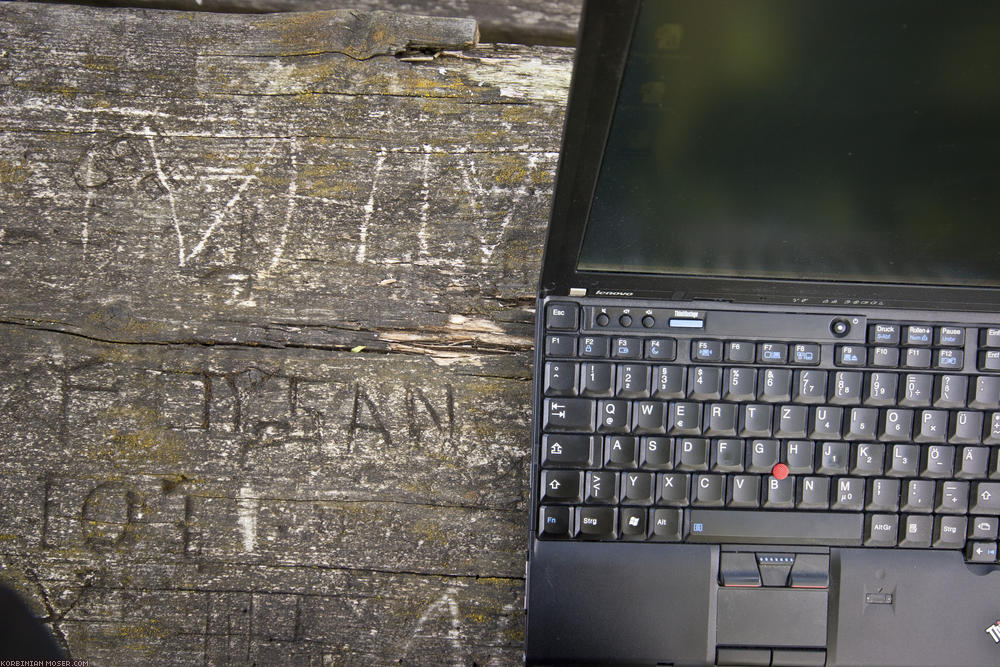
<point>735,527</point>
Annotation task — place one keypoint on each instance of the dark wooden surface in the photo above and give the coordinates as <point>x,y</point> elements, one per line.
<point>265,332</point>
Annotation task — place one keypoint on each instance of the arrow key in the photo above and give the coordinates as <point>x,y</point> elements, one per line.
<point>561,486</point>
<point>981,552</point>
<point>986,498</point>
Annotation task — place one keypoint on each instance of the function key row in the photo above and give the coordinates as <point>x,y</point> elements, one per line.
<point>916,335</point>
<point>604,347</point>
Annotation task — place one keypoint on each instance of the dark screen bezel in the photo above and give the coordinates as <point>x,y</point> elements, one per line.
<point>606,31</point>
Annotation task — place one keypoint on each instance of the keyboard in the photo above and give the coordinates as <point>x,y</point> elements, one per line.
<point>734,427</point>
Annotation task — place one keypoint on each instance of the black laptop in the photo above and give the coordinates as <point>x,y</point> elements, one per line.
<point>767,392</point>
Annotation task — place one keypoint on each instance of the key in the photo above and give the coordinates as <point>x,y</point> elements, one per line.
<point>554,521</point>
<point>705,383</point>
<point>601,487</point>
<point>952,497</point>
<point>569,451</point>
<point>949,532</point>
<point>561,486</point>
<point>657,453</point>
<point>983,528</point>
<point>692,454</point>
<point>986,498</point>
<point>762,527</point>
<point>919,496</point>
<point>637,488</point>
<point>740,384</point>
<point>966,427</point>
<point>612,416</point>
<point>667,525</point>
<point>933,426</point>
<point>626,348</point>
<point>791,422</point>
<point>882,495</point>
<point>862,424</point>
<point>561,316</point>
<point>721,419</point>
<point>949,337</point>
<point>706,350</point>
<point>772,353</point>
<point>620,451</point>
<point>826,423</point>
<point>833,458</point>
<point>596,523</point>
<point>805,354</point>
<point>743,491</point>
<point>868,459</point>
<point>917,357</point>
<point>849,494</point>
<point>814,493</point>
<point>939,461</point>
<point>881,389</point>
<point>598,347</point>
<point>775,385</point>
<point>649,417</point>
<point>684,418</point>
<point>740,352</point>
<point>799,456</point>
<point>917,390</point>
<point>755,420</point>
<point>672,489</point>
<point>949,359</point>
<point>851,355</point>
<point>973,462</point>
<point>560,378</point>
<point>981,552</point>
<point>560,346</point>
<point>668,382</point>
<point>846,388</point>
<point>916,531</point>
<point>763,455</point>
<point>661,349</point>
<point>810,386</point>
<point>917,335</point>
<point>881,529</point>
<point>569,414</point>
<point>727,455</point>
<point>633,381</point>
<point>896,424</point>
<point>885,357</point>
<point>903,461</point>
<point>986,394</point>
<point>709,490</point>
<point>632,523</point>
<point>597,379</point>
<point>883,334</point>
<point>950,391</point>
<point>779,493</point>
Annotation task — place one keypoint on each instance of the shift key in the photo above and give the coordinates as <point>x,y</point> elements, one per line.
<point>569,414</point>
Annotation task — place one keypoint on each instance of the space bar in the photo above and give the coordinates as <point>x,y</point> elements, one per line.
<point>731,526</point>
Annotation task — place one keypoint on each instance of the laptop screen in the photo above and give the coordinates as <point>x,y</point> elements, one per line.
<point>838,140</point>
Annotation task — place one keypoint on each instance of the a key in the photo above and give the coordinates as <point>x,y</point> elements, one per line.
<point>950,391</point>
<point>668,382</point>
<point>775,385</point>
<point>903,461</point>
<point>973,462</point>
<point>705,383</point>
<point>881,389</point>
<point>933,426</point>
<point>868,459</point>
<point>916,390</point>
<point>779,493</point>
<point>799,456</point>
<point>667,525</point>
<point>862,424</point>
<point>897,424</point>
<point>790,422</point>
<point>833,458</point>
<point>846,388</point>
<point>721,419</point>
<point>656,453</point>
<point>620,451</point>
<point>826,423</point>
<point>939,461</point>
<point>919,496</point>
<point>949,532</point>
<point>763,455</point>
<point>684,418</point>
<point>966,427</point>
<point>848,494</point>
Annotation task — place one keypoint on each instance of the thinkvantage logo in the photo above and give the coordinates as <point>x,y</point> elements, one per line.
<point>994,632</point>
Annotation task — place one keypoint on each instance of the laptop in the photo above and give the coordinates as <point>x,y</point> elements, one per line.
<point>767,375</point>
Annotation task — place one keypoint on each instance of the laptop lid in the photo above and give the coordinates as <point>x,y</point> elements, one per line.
<point>779,151</point>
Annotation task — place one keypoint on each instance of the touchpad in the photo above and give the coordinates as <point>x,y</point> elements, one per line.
<point>771,617</point>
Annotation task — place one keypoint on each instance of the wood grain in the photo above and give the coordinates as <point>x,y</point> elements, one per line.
<point>265,339</point>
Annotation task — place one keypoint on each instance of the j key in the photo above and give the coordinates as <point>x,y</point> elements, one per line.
<point>810,387</point>
<point>846,388</point>
<point>952,498</point>
<point>596,523</point>
<point>632,523</point>
<point>833,457</point>
<point>903,461</point>
<point>814,493</point>
<point>705,383</point>
<point>561,486</point>
<point>762,527</point>
<point>740,384</point>
<point>554,521</point>
<point>569,414</point>
<point>933,426</point>
<point>775,385</point>
<point>755,420</point>
<point>881,530</point>
<point>649,417</point>
<point>966,427</point>
<point>612,416</point>
<point>916,390</point>
<point>633,381</point>
<point>882,495</point>
<point>597,379</point>
<point>986,498</point>
<point>950,391</point>
<point>560,346</point>
<point>668,382</point>
<point>570,451</point>
<point>916,531</point>
<point>949,532</point>
<point>881,389</point>
<point>560,378</point>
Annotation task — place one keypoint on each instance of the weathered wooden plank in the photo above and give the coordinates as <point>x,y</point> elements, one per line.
<point>552,22</point>
<point>265,336</point>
